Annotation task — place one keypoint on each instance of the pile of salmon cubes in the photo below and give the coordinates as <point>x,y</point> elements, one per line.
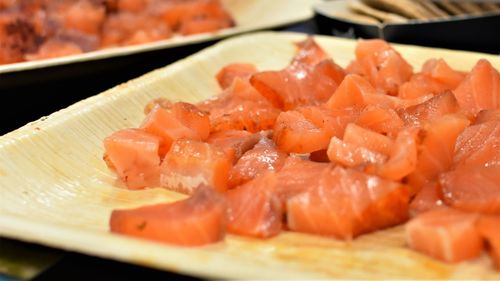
<point>321,149</point>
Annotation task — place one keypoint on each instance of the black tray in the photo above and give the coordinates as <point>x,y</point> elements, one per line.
<point>480,33</point>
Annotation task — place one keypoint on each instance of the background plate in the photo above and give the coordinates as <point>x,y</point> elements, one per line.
<point>55,189</point>
<point>30,90</point>
<point>248,14</point>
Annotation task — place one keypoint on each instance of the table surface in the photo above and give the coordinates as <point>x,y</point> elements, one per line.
<point>25,261</point>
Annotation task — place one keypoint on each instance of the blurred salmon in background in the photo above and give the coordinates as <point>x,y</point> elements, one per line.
<point>41,29</point>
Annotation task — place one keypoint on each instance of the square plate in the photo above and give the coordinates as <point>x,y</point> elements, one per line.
<point>56,190</point>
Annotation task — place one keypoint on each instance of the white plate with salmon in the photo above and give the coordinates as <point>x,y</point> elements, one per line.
<point>274,155</point>
<point>41,33</point>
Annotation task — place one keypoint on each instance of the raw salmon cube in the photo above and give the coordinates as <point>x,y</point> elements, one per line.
<point>436,77</point>
<point>487,115</point>
<point>196,221</point>
<point>445,234</point>
<point>473,188</point>
<point>296,85</point>
<point>309,52</point>
<point>298,176</point>
<point>488,227</point>
<point>428,198</point>
<point>382,65</point>
<point>436,107</point>
<point>190,163</point>
<point>346,203</point>
<point>352,155</point>
<point>228,73</point>
<point>403,157</point>
<point>240,107</point>
<point>294,133</point>
<point>167,127</point>
<point>263,157</point>
<point>437,148</point>
<point>193,118</point>
<point>133,155</point>
<point>480,89</point>
<point>350,93</point>
<point>203,25</point>
<point>254,209</point>
<point>357,135</point>
<point>383,120</point>
<point>234,143</point>
<point>478,145</point>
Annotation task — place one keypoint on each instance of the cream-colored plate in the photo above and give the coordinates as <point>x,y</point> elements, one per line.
<point>56,190</point>
<point>249,15</point>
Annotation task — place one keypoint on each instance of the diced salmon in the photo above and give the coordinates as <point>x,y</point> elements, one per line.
<point>263,157</point>
<point>436,107</point>
<point>436,77</point>
<point>346,203</point>
<point>162,102</point>
<point>439,70</point>
<point>296,85</point>
<point>421,85</point>
<point>185,13</point>
<point>203,25</point>
<point>395,103</point>
<point>297,176</point>
<point>473,188</point>
<point>128,28</point>
<point>480,89</point>
<point>478,145</point>
<point>350,93</point>
<point>190,163</point>
<point>309,52</point>
<point>196,221</point>
<point>133,154</point>
<point>352,155</point>
<point>193,118</point>
<point>445,234</point>
<point>487,115</point>
<point>172,15</point>
<point>234,143</point>
<point>382,65</point>
<point>228,73</point>
<point>254,209</point>
<point>164,124</point>
<point>331,70</point>
<point>488,227</point>
<point>54,48</point>
<point>437,148</point>
<point>429,197</point>
<point>240,107</point>
<point>84,16</point>
<point>131,5</point>
<point>332,122</point>
<point>383,120</point>
<point>354,67</point>
<point>403,157</point>
<point>9,49</point>
<point>357,135</point>
<point>294,133</point>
